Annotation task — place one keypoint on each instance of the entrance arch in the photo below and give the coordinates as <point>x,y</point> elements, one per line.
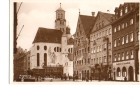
<point>130,73</point>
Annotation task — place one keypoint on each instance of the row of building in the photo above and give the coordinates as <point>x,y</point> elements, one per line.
<point>105,46</point>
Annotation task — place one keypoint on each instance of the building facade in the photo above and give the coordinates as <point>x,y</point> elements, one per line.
<point>52,50</point>
<point>125,44</point>
<point>82,68</point>
<point>101,46</point>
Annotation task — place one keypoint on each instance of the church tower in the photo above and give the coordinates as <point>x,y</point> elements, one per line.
<point>60,22</point>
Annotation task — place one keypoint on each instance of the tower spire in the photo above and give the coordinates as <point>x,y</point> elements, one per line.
<point>60,5</point>
<point>79,11</point>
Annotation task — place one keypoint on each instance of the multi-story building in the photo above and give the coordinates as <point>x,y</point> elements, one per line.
<point>125,30</point>
<point>52,49</point>
<point>101,46</point>
<point>82,68</point>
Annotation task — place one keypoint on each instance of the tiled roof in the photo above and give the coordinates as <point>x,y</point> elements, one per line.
<point>87,22</point>
<point>108,16</point>
<point>48,35</point>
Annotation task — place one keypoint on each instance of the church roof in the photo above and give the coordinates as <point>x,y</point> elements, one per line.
<point>48,35</point>
<point>87,22</point>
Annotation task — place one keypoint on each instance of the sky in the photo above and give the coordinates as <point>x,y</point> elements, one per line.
<point>41,13</point>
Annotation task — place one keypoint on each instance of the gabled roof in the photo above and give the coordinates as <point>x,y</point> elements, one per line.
<point>108,16</point>
<point>87,22</point>
<point>48,35</point>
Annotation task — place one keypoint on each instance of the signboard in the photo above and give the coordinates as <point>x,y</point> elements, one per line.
<point>124,63</point>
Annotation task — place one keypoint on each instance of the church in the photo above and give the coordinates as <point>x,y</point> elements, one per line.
<point>52,50</point>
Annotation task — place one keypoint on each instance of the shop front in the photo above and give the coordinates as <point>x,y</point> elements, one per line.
<point>124,70</point>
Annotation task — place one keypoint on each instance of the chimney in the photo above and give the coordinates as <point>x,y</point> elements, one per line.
<point>93,13</point>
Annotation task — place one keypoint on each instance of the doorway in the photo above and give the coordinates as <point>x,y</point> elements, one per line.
<point>130,73</point>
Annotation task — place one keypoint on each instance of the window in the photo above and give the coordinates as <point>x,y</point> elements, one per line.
<point>88,60</point>
<point>38,59</point>
<point>122,40</point>
<point>131,37</point>
<point>131,21</point>
<point>109,30</point>
<point>118,72</point>
<point>121,12</point>
<point>91,50</point>
<point>105,46</point>
<point>97,48</point>
<point>126,9</point>
<point>115,29</point>
<point>94,60</point>
<point>100,49</point>
<point>124,72</point>
<point>119,41</point>
<point>131,54</point>
<point>100,60</point>
<point>45,47</point>
<point>115,56</point>
<point>115,43</point>
<point>122,25</point>
<point>38,47</point>
<point>109,45</point>
<point>126,24</point>
<point>119,56</point>
<point>57,49</point>
<point>109,58</point>
<point>88,50</point>
<point>119,28</point>
<point>94,50</point>
<point>127,54</point>
<point>123,56</point>
<point>97,60</point>
<point>126,38</point>
<point>105,60</point>
<point>45,59</point>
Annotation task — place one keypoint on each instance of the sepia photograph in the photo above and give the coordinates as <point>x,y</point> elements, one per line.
<point>77,41</point>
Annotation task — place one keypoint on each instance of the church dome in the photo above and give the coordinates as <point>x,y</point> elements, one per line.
<point>60,8</point>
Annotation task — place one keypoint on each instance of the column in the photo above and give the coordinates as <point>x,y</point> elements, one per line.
<point>134,77</point>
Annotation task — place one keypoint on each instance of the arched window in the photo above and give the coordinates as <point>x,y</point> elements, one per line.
<point>38,47</point>
<point>118,72</point>
<point>38,59</point>
<point>69,50</point>
<point>45,59</point>
<point>124,72</point>
<point>57,49</point>
<point>45,47</point>
<point>60,49</point>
